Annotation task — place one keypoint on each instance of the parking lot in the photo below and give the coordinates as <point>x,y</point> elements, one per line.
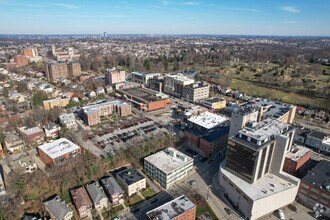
<point>125,135</point>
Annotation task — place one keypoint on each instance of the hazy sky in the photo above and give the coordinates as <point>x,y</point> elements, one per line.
<point>261,17</point>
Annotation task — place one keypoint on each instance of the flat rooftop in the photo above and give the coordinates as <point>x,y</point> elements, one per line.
<point>93,108</point>
<point>275,109</point>
<point>141,94</point>
<point>319,176</point>
<point>130,176</point>
<point>208,120</point>
<point>59,148</point>
<point>171,209</point>
<point>264,130</point>
<point>213,100</point>
<point>168,160</point>
<point>29,131</point>
<point>181,77</point>
<point>267,185</point>
<point>297,152</point>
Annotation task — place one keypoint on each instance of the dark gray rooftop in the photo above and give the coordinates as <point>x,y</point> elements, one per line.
<point>130,176</point>
<point>319,176</point>
<point>57,207</point>
<point>96,192</point>
<point>111,185</point>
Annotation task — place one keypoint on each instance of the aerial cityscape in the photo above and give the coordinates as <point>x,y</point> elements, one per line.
<point>164,110</point>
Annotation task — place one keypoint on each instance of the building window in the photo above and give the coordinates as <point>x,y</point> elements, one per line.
<point>315,190</point>
<point>304,185</point>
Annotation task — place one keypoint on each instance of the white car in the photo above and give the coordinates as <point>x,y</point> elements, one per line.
<point>281,214</point>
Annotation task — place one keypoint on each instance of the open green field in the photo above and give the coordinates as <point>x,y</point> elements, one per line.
<point>263,91</point>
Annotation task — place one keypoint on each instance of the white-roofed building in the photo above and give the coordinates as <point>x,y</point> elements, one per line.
<point>58,151</point>
<point>168,166</point>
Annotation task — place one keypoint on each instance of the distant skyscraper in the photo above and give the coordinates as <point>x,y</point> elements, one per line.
<point>104,34</point>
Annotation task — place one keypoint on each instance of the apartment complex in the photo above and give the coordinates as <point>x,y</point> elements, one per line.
<point>59,70</point>
<point>295,159</point>
<point>113,76</point>
<point>168,166</point>
<point>21,60</point>
<point>173,84</point>
<point>251,176</point>
<point>196,92</point>
<point>58,151</point>
<point>314,191</point>
<point>181,208</point>
<point>92,114</point>
<point>131,180</point>
<point>53,103</point>
<point>207,133</point>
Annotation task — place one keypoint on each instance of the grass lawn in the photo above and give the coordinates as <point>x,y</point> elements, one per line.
<point>118,208</point>
<point>206,209</point>
<point>263,91</point>
<point>134,199</point>
<point>66,196</point>
<point>148,193</point>
<point>31,196</point>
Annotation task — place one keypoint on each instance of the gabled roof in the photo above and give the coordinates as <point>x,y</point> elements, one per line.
<point>111,185</point>
<point>80,197</point>
<point>57,207</point>
<point>96,192</point>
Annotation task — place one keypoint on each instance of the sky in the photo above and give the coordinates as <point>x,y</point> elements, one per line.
<point>226,17</point>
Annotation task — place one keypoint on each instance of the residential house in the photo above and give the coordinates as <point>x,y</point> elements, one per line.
<point>131,180</point>
<point>100,90</point>
<point>13,142</point>
<point>69,121</point>
<point>97,195</point>
<point>24,164</point>
<point>113,190</point>
<point>58,209</point>
<point>52,130</point>
<point>82,201</point>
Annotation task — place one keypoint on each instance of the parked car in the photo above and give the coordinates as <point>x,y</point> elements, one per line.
<point>229,212</point>
<point>281,214</point>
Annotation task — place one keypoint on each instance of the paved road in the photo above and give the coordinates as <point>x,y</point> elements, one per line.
<point>139,211</point>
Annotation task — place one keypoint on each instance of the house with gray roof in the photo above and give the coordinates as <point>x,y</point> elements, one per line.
<point>113,190</point>
<point>97,195</point>
<point>58,209</point>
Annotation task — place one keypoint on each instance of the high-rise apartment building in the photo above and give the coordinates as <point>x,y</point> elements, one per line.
<point>173,84</point>
<point>57,70</point>
<point>195,92</point>
<point>113,76</point>
<point>21,60</point>
<point>252,176</point>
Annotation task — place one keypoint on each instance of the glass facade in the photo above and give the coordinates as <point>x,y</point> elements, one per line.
<point>241,161</point>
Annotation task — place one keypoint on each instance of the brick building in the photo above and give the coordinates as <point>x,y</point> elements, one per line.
<point>74,69</point>
<point>57,70</point>
<point>58,151</point>
<point>21,60</point>
<point>52,103</point>
<point>180,208</point>
<point>296,158</point>
<point>32,136</point>
<point>195,92</point>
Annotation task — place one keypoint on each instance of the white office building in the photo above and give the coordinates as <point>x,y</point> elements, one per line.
<point>168,166</point>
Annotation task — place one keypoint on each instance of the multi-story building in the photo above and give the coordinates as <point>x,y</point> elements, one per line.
<point>13,142</point>
<point>295,159</point>
<point>319,141</point>
<point>52,130</point>
<point>144,99</point>
<point>82,202</point>
<point>69,121</point>
<point>58,209</point>
<point>314,190</point>
<point>21,60</point>
<point>168,166</point>
<point>32,136</point>
<point>131,180</point>
<point>214,103</point>
<point>58,151</point>
<point>207,133</point>
<point>74,69</point>
<point>32,54</point>
<point>59,70</point>
<point>196,92</point>
<point>113,190</point>
<point>173,84</point>
<point>113,76</point>
<point>97,195</point>
<point>252,176</point>
<point>143,78</point>
<point>181,208</point>
<point>240,117</point>
<point>53,103</point>
<point>92,114</point>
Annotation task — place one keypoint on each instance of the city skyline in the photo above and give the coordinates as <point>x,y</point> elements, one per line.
<point>257,17</point>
